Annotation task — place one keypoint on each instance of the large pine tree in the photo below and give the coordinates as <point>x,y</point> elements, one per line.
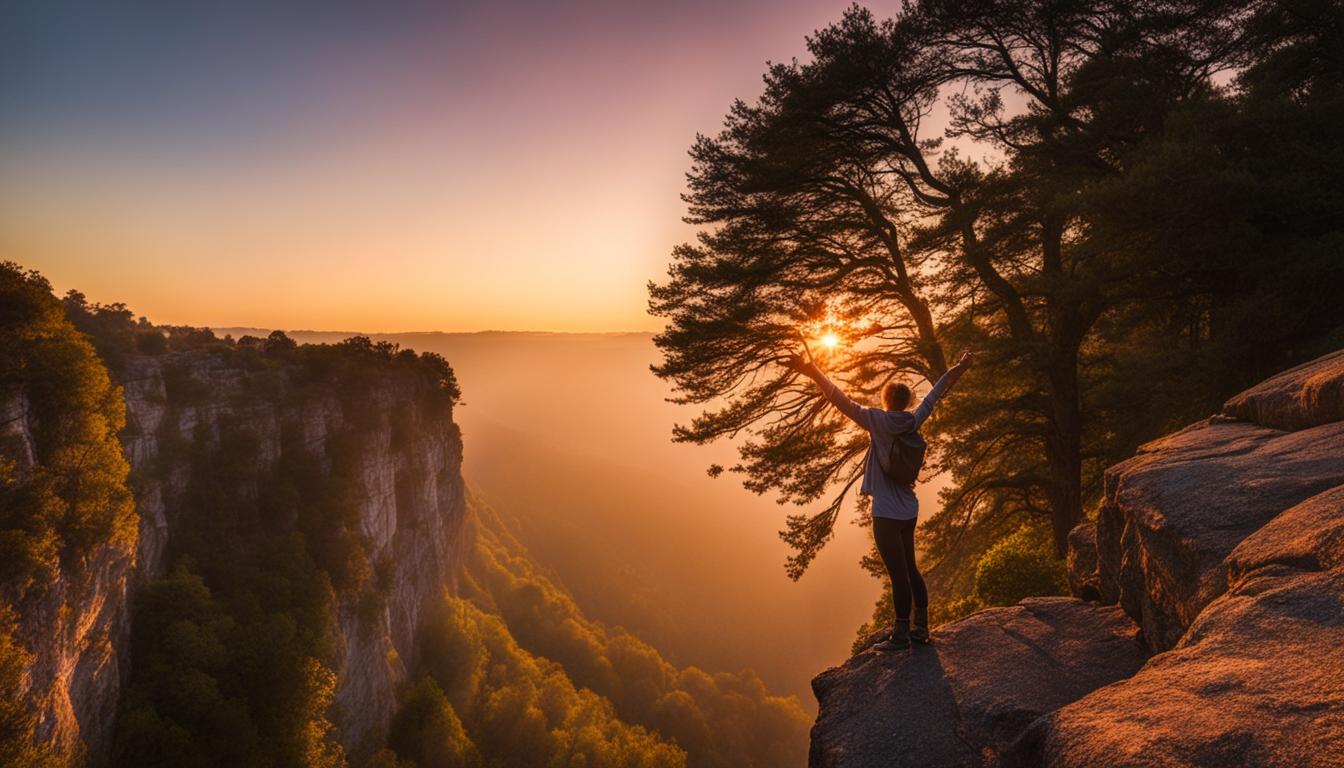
<point>831,206</point>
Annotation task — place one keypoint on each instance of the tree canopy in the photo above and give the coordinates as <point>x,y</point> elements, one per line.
<point>1124,208</point>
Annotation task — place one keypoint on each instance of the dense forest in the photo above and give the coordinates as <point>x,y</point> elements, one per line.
<point>718,719</point>
<point>1128,210</point>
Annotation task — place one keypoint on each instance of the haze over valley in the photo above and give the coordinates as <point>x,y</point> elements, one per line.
<point>571,435</point>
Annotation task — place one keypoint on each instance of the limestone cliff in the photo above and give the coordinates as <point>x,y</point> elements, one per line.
<point>1218,558</point>
<point>70,617</point>
<point>410,508</point>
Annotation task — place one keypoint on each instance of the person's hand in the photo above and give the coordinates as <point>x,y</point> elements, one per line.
<point>966,361</point>
<point>798,364</point>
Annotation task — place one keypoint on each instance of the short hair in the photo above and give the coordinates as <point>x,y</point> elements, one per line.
<point>895,396</point>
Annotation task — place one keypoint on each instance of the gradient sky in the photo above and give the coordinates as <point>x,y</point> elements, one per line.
<point>380,166</point>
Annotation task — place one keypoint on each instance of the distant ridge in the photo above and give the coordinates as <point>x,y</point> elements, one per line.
<point>238,331</point>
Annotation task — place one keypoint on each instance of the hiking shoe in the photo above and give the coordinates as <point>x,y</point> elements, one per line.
<point>892,644</point>
<point>919,631</point>
<point>898,640</point>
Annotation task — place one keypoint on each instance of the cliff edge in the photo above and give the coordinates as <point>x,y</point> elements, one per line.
<point>1218,561</point>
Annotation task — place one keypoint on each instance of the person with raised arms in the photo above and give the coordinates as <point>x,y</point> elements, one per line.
<point>895,455</point>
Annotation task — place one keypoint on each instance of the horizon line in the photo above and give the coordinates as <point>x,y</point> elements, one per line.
<point>261,329</point>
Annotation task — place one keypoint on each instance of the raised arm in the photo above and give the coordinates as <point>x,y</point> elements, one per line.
<point>839,399</point>
<point>944,383</point>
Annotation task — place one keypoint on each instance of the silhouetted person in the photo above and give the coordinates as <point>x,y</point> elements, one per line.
<point>895,507</point>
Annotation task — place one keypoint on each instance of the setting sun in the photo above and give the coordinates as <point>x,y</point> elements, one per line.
<point>830,340</point>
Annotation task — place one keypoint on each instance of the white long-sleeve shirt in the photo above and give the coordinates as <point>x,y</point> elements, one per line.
<point>889,499</point>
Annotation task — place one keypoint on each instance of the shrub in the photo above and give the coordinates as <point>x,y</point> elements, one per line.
<point>1021,565</point>
<point>428,732</point>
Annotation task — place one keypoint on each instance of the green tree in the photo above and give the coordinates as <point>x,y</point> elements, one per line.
<point>1018,566</point>
<point>72,499</point>
<point>427,731</point>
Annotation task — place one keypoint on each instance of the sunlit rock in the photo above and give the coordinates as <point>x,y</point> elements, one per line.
<point>1178,507</point>
<point>966,698</point>
<point>1306,396</point>
<point>1257,680</point>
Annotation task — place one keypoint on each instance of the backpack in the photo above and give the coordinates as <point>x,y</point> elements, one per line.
<point>907,458</point>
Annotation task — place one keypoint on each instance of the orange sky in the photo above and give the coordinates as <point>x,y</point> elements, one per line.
<point>493,166</point>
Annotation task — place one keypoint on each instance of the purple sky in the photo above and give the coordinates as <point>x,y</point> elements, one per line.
<point>408,166</point>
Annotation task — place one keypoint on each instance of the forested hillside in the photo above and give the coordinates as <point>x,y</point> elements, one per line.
<point>505,657</point>
<point>720,718</point>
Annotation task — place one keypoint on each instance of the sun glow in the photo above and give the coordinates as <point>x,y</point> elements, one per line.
<point>829,340</point>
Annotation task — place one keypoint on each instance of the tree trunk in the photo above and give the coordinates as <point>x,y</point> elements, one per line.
<point>929,347</point>
<point>1063,448</point>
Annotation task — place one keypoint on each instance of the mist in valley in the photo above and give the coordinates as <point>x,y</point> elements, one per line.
<point>570,434</point>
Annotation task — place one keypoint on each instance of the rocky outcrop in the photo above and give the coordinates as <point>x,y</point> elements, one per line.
<point>73,621</point>
<point>964,699</point>
<point>1257,680</point>
<point>1081,564</point>
<point>1299,398</point>
<point>1174,512</point>
<point>1225,543</point>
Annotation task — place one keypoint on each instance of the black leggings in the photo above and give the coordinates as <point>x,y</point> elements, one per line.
<point>896,544</point>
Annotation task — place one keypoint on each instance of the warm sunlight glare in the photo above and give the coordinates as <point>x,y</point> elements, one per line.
<point>830,340</point>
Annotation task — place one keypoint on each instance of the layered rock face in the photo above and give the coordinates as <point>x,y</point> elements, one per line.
<point>1226,542</point>
<point>412,500</point>
<point>1175,511</point>
<point>1221,548</point>
<point>410,511</point>
<point>1257,680</point>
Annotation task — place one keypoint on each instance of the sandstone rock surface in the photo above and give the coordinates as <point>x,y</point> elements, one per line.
<point>1258,679</point>
<point>1306,396</point>
<point>1175,510</point>
<point>965,698</point>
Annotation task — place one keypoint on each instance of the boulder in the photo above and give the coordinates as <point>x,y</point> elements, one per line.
<point>1081,563</point>
<point>1306,396</point>
<point>1257,680</point>
<point>967,697</point>
<point>1174,511</point>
